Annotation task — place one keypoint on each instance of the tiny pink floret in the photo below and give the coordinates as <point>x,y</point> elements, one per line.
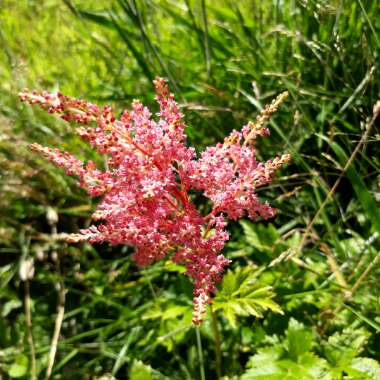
<point>145,190</point>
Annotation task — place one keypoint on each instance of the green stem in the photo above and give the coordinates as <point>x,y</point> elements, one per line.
<point>200,353</point>
<point>206,38</point>
<point>218,351</point>
<point>28,317</point>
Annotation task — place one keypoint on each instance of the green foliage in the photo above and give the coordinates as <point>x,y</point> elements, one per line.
<point>290,359</point>
<point>293,358</point>
<point>140,371</point>
<point>241,295</point>
<point>299,339</point>
<point>224,61</point>
<point>342,350</point>
<point>19,368</point>
<point>269,365</point>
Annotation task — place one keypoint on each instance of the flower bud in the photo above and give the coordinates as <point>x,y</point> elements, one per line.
<point>26,270</point>
<point>51,216</point>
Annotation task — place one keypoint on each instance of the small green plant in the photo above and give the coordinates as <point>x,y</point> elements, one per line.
<point>240,294</point>
<point>294,357</point>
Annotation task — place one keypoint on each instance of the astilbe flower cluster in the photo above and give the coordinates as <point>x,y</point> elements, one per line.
<point>150,172</point>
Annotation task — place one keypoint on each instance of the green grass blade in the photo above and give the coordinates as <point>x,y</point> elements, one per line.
<point>365,198</point>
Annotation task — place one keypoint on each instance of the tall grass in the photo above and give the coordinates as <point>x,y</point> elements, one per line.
<point>224,60</point>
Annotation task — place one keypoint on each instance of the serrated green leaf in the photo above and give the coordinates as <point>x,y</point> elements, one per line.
<point>241,294</point>
<point>265,291</point>
<point>264,365</point>
<point>270,364</point>
<point>250,234</point>
<point>316,367</point>
<point>267,303</point>
<point>299,339</point>
<point>238,307</point>
<point>342,347</point>
<point>369,368</point>
<point>251,309</point>
<point>230,316</point>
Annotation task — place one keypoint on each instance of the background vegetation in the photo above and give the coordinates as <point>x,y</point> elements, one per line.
<point>224,59</point>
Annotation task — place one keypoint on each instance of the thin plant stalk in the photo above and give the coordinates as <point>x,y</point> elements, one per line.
<point>334,266</point>
<point>57,329</point>
<point>200,353</point>
<point>376,112</point>
<point>28,316</point>
<point>206,38</point>
<point>52,218</point>
<point>218,351</point>
<point>363,276</point>
<point>350,293</point>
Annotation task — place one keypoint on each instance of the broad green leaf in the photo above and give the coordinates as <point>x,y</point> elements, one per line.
<point>20,367</point>
<point>9,306</point>
<point>174,311</point>
<point>299,339</point>
<point>264,365</point>
<point>316,368</point>
<point>140,371</point>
